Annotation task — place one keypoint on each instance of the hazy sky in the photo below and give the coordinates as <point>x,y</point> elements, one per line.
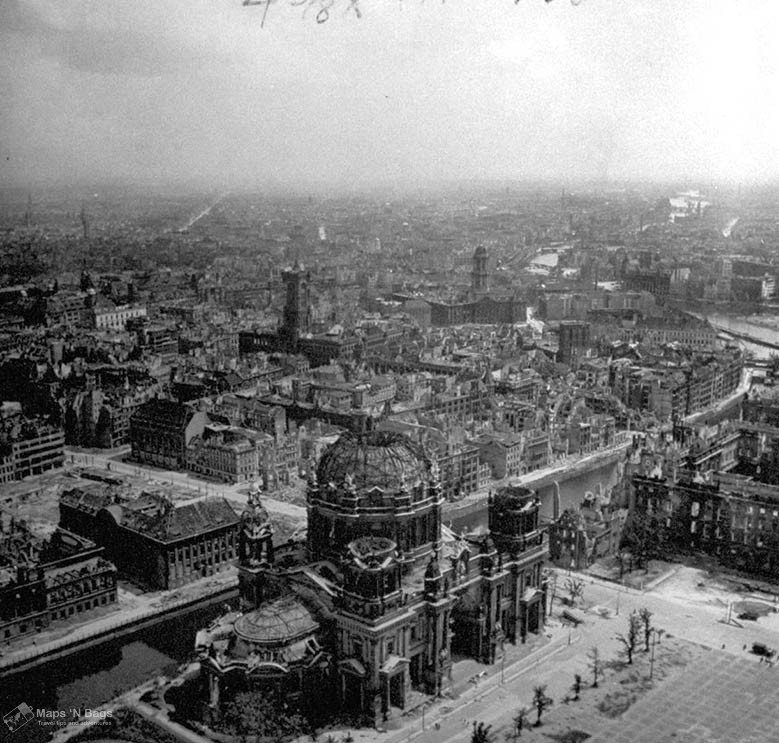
<point>413,91</point>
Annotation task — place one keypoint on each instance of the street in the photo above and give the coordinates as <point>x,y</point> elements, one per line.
<point>111,462</point>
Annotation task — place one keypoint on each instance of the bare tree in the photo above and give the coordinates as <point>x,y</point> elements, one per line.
<point>519,722</point>
<point>595,665</point>
<point>646,619</point>
<point>541,702</point>
<point>575,588</point>
<point>481,733</point>
<point>630,639</point>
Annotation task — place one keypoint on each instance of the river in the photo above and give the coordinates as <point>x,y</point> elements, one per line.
<point>686,203</point>
<point>763,327</point>
<point>546,260</point>
<point>94,676</point>
<point>572,492</point>
<point>728,228</point>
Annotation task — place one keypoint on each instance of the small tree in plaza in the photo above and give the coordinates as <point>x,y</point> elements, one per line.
<point>630,639</point>
<point>541,702</point>
<point>575,588</point>
<point>518,725</point>
<point>595,665</point>
<point>481,733</point>
<point>646,620</point>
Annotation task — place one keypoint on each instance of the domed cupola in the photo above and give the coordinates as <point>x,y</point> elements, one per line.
<point>376,484</point>
<point>274,648</point>
<point>513,519</point>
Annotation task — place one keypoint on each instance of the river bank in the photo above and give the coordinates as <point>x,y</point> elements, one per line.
<point>93,676</point>
<point>53,644</point>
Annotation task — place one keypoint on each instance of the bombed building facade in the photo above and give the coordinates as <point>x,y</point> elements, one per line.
<point>43,581</point>
<point>152,541</point>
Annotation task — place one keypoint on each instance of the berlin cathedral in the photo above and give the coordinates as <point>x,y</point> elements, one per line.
<point>381,597</point>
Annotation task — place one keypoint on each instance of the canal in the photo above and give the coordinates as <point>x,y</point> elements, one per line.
<point>572,491</point>
<point>92,677</point>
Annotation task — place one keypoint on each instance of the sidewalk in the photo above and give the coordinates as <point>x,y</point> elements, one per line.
<point>563,573</point>
<point>648,585</point>
<point>159,718</point>
<point>439,710</point>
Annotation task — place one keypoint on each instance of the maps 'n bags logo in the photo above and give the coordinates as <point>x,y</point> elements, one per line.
<point>18,717</point>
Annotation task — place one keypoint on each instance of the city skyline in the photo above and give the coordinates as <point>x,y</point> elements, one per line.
<point>407,94</point>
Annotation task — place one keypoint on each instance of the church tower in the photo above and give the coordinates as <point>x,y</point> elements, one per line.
<point>297,308</point>
<point>479,273</point>
<point>255,550</point>
<point>84,222</point>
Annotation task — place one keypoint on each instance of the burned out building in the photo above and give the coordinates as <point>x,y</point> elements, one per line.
<point>722,499</point>
<point>160,431</point>
<point>49,580</point>
<point>153,542</point>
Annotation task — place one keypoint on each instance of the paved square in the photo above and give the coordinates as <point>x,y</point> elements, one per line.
<point>712,698</point>
<point>716,699</point>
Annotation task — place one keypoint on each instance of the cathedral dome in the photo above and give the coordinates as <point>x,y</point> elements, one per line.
<point>378,484</point>
<point>277,623</point>
<point>379,459</point>
<point>273,639</point>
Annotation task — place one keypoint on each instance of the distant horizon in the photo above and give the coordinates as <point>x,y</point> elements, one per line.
<point>303,190</point>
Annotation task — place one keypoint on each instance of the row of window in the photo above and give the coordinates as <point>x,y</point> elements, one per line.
<point>68,591</point>
<point>224,546</point>
<point>64,613</point>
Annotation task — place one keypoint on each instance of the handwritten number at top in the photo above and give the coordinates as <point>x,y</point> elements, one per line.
<point>324,7</point>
